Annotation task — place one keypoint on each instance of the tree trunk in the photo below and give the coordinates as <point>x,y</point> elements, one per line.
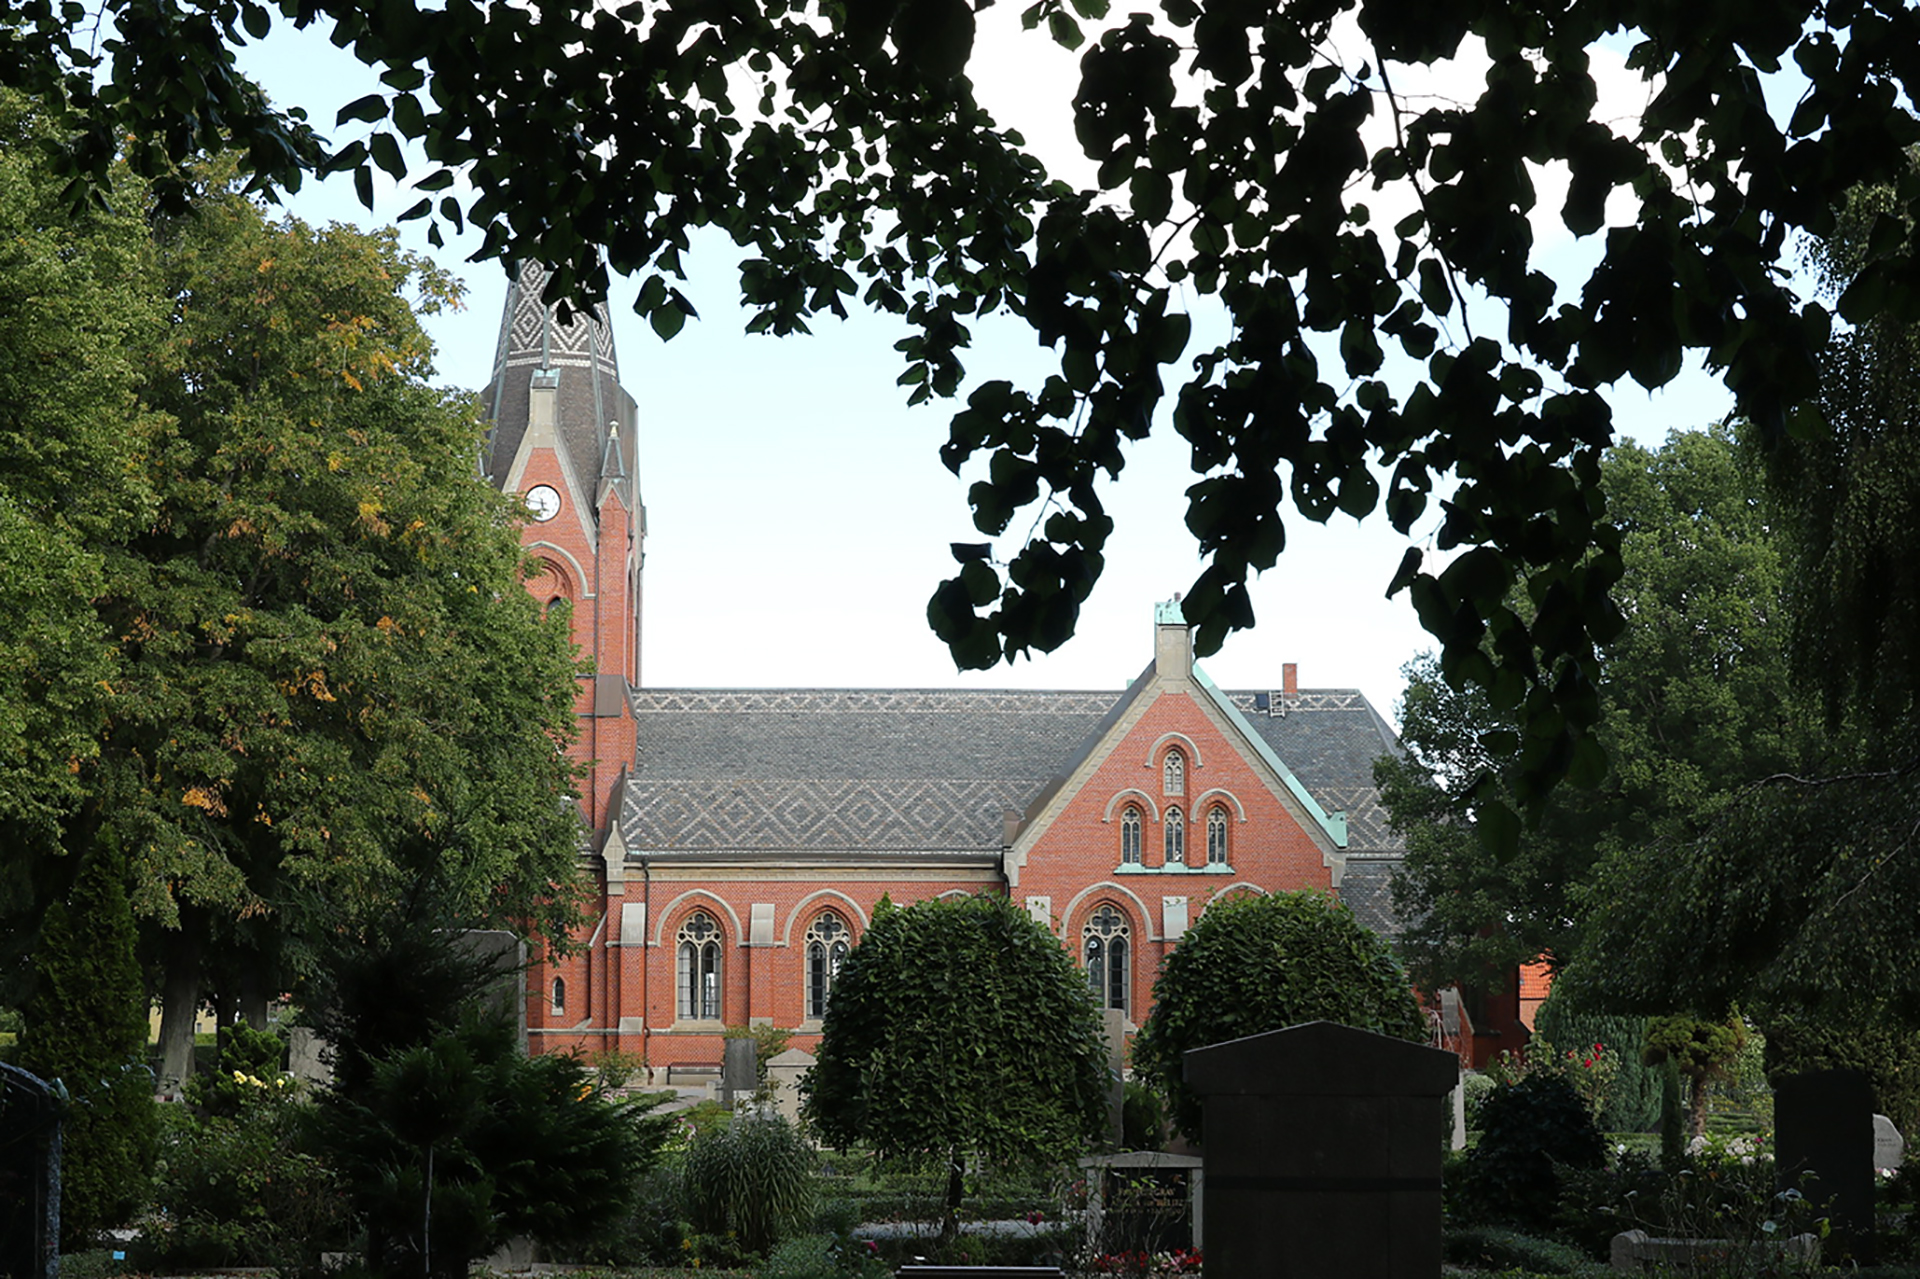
<point>179,1001</point>
<point>253,995</point>
<point>1697,1107</point>
<point>956,1187</point>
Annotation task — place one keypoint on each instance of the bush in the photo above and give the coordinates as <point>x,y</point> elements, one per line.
<point>1632,1098</point>
<point>752,1179</point>
<point>1491,1248</point>
<point>1143,1118</point>
<point>1255,964</point>
<point>1530,1131</point>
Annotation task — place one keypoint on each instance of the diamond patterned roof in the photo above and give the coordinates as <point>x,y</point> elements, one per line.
<point>902,770</point>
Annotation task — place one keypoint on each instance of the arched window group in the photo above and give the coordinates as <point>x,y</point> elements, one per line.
<point>1173,836</point>
<point>699,968</point>
<point>1104,943</point>
<point>827,945</point>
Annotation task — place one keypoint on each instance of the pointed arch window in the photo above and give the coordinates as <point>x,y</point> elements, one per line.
<point>1173,773</point>
<point>1174,837</point>
<point>1130,837</point>
<point>699,964</point>
<point>1217,836</point>
<point>559,996</point>
<point>1105,944</point>
<point>828,944</point>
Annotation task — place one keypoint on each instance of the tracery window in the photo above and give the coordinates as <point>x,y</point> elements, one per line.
<point>1130,837</point>
<point>1174,836</point>
<point>1216,836</point>
<point>827,947</point>
<point>699,943</point>
<point>559,996</point>
<point>1173,773</point>
<point>1104,943</point>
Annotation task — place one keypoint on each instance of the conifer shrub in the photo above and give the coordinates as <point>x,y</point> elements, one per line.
<point>85,1024</point>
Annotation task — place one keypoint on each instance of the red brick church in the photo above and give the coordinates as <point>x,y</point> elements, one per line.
<point>739,839</point>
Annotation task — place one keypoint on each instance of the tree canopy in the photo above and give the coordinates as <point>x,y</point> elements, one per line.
<point>1375,245</point>
<point>959,1028</point>
<point>1254,964</point>
<point>1698,703</point>
<point>312,675</point>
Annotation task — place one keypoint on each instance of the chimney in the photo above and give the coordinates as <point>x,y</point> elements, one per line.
<point>1290,681</point>
<point>1172,642</point>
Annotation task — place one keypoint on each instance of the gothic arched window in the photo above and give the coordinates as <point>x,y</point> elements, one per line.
<point>1173,773</point>
<point>1175,838</point>
<point>1130,837</point>
<point>1104,943</point>
<point>827,947</point>
<point>559,996</point>
<point>1216,836</point>
<point>699,950</point>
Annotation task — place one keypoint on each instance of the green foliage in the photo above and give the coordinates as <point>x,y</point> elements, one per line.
<point>752,1179</point>
<point>1887,1052</point>
<point>234,1188</point>
<point>1253,964</point>
<point>1529,1132</point>
<point>1702,1051</point>
<point>960,1030</point>
<point>247,1075</point>
<point>1692,690</point>
<point>1492,1248</point>
<point>459,1142</point>
<point>1143,1117</point>
<point>86,1026</point>
<point>1238,161</point>
<point>1632,1100</point>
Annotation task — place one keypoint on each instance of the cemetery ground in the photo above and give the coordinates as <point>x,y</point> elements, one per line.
<point>848,1218</point>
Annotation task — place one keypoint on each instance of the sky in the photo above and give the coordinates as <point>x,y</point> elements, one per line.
<point>798,513</point>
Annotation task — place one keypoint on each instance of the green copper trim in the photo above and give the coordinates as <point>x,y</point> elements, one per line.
<point>1335,824</point>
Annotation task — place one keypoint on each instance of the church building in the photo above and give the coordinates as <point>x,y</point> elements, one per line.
<point>738,840</point>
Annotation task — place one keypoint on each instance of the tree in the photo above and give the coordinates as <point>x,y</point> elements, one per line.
<point>86,1026</point>
<point>1698,702</point>
<point>958,1030</point>
<point>1702,1051</point>
<point>1254,964</point>
<point>1237,161</point>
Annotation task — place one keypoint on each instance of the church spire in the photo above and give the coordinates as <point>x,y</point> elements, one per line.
<point>574,359</point>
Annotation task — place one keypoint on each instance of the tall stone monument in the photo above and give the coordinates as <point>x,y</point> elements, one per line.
<point>1323,1149</point>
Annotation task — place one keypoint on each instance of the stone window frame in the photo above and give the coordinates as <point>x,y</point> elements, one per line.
<point>1218,848</point>
<point>1131,826</point>
<point>1173,772</point>
<point>823,950</point>
<point>558,1000</point>
<point>1106,951</point>
<point>699,986</point>
<point>1173,837</point>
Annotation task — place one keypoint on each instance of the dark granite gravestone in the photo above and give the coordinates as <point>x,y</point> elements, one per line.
<point>29,1176</point>
<point>1823,1142</point>
<point>1323,1150</point>
<point>739,1072</point>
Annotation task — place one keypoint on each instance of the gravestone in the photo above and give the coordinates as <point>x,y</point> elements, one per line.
<point>784,1073</point>
<point>1144,1201</point>
<point>739,1072</point>
<point>1113,1021</point>
<point>1322,1149</point>
<point>29,1176</point>
<point>1823,1135</point>
<point>1889,1147</point>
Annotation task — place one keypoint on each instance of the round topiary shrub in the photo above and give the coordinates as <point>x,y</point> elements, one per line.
<point>1255,964</point>
<point>1529,1131</point>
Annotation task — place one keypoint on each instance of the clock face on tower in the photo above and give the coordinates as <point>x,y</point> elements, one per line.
<point>544,502</point>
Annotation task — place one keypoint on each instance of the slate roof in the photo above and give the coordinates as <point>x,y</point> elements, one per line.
<point>903,770</point>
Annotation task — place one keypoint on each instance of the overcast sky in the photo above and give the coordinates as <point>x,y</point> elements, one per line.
<point>799,515</point>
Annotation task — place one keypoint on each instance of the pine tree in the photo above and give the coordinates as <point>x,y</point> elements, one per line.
<point>86,1025</point>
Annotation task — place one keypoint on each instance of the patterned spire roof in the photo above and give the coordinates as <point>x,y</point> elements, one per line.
<point>591,400</point>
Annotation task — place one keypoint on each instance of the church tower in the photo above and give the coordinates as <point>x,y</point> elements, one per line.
<point>564,436</point>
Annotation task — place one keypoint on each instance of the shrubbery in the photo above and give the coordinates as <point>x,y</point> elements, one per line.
<point>752,1180</point>
<point>1530,1132</point>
